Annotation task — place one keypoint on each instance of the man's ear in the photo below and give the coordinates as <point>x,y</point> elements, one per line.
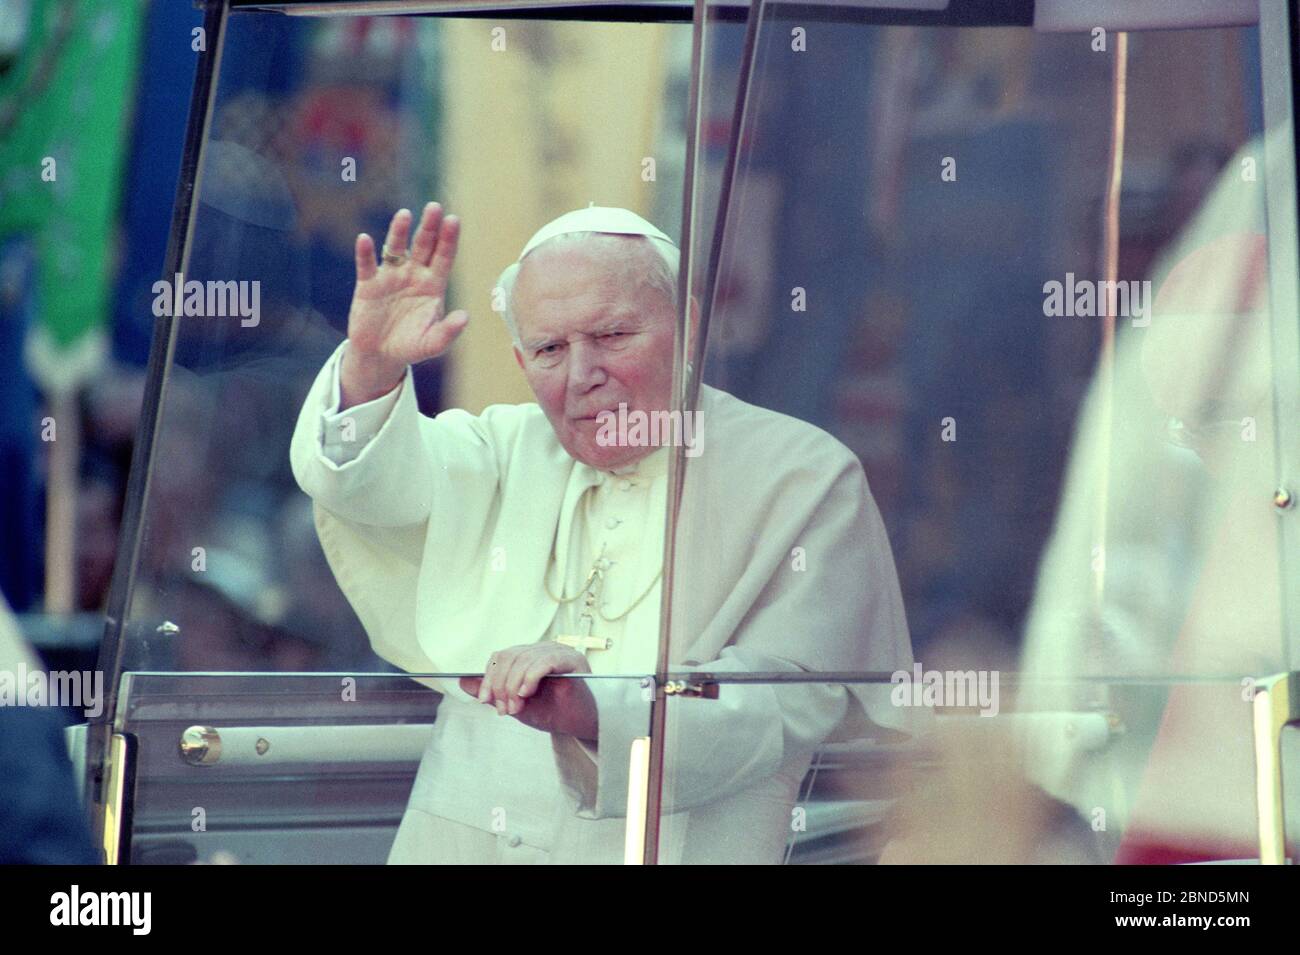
<point>519,358</point>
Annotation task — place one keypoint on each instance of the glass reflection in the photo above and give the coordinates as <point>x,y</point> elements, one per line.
<point>320,129</point>
<point>1178,595</point>
<point>474,524</point>
<point>323,769</point>
<point>915,260</point>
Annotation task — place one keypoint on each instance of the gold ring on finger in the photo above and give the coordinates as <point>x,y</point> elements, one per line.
<point>391,258</point>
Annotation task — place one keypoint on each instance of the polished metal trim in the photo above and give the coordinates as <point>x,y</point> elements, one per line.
<point>1275,706</point>
<point>638,778</point>
<point>116,807</point>
<point>200,745</point>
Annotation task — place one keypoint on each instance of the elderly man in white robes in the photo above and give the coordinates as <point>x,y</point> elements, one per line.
<point>528,541</point>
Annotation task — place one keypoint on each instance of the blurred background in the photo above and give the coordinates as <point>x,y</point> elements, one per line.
<point>321,128</point>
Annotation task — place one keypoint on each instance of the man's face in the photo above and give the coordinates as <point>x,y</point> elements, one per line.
<point>593,336</point>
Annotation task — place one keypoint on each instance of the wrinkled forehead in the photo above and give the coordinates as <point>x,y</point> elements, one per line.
<point>584,282</point>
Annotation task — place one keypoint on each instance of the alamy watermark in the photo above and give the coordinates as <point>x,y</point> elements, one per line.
<point>956,688</point>
<point>132,909</point>
<point>210,299</point>
<point>651,429</point>
<point>1084,298</point>
<point>75,689</point>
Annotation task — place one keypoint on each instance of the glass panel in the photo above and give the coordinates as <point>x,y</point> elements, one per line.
<point>436,513</point>
<point>320,769</point>
<point>748,776</point>
<point>322,128</point>
<point>1059,386</point>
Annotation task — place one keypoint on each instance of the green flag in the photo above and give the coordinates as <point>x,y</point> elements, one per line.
<point>65,102</point>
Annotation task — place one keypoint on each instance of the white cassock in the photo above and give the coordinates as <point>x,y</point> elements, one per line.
<point>447,533</point>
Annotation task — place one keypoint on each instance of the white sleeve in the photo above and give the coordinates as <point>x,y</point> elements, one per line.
<point>712,748</point>
<point>345,433</point>
<point>367,465</point>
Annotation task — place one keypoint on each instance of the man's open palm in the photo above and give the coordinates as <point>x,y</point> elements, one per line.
<point>398,315</point>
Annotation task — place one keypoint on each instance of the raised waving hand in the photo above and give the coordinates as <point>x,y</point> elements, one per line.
<point>398,315</point>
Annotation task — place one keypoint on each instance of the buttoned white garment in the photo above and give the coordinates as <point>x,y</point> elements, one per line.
<point>441,532</point>
<point>621,517</point>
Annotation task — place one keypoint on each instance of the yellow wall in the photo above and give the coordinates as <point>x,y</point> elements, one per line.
<point>561,118</point>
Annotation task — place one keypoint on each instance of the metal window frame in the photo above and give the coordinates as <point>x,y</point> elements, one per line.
<point>1278,38</point>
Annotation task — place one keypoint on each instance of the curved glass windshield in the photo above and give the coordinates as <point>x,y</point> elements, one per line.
<point>970,540</point>
<point>322,128</point>
<point>1018,295</point>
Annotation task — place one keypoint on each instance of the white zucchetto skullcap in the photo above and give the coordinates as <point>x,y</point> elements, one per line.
<point>595,219</point>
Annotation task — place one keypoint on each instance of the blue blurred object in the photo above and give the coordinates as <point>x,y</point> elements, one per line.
<point>151,170</point>
<point>40,818</point>
<point>21,534</point>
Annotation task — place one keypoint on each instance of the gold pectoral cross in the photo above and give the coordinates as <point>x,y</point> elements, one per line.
<point>584,644</point>
<point>585,641</point>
